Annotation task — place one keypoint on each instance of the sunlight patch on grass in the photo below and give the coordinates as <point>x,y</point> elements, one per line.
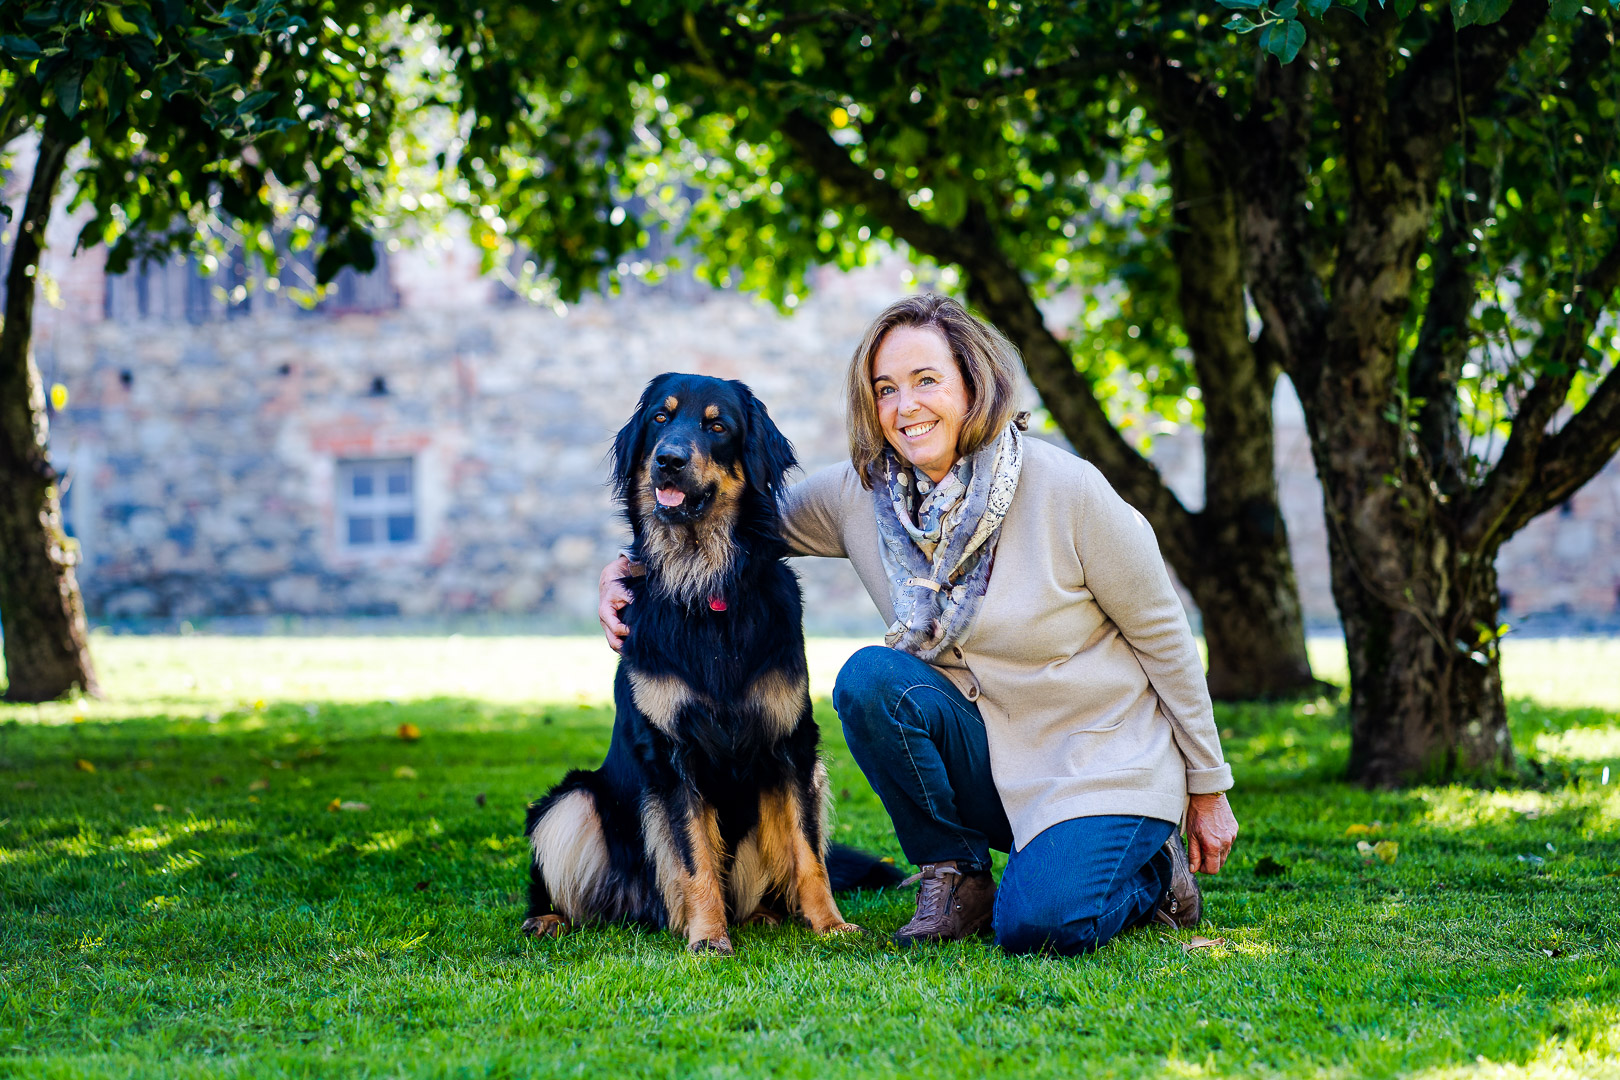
<point>1464,808</point>
<point>1581,744</point>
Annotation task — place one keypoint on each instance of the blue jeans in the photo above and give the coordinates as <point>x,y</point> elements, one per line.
<point>922,746</point>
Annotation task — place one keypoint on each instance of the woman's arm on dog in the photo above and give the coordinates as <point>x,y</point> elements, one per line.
<point>612,597</point>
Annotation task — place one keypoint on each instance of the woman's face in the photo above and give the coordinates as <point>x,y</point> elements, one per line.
<point>921,398</point>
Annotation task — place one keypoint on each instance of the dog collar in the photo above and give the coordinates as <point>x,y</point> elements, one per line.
<point>717,603</point>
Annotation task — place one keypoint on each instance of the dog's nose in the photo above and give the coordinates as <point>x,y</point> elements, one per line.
<point>671,461</point>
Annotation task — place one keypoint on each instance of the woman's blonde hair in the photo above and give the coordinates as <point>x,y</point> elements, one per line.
<point>988,361</point>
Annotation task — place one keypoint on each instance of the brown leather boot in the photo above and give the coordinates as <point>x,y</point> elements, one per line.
<point>1183,906</point>
<point>951,904</point>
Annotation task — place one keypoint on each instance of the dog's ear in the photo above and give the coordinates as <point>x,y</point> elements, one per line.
<point>628,443</point>
<point>767,455</point>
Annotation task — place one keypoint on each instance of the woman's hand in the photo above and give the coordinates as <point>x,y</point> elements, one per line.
<point>1211,828</point>
<point>612,597</point>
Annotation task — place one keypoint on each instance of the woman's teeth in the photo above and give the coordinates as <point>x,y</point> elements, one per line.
<point>917,431</point>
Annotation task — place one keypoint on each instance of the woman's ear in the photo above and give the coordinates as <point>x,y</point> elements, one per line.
<point>627,444</point>
<point>767,455</point>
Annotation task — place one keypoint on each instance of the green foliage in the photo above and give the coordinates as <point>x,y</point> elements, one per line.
<point>1282,31</point>
<point>193,908</point>
<point>264,121</point>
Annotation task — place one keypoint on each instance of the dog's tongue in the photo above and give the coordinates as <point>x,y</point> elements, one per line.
<point>670,497</point>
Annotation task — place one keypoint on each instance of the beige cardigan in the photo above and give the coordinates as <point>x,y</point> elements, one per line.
<point>1080,659</point>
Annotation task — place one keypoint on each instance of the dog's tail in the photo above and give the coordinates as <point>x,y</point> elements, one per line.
<point>852,868</point>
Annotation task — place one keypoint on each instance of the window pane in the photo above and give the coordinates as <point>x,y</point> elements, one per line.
<point>401,528</point>
<point>362,530</point>
<point>399,481</point>
<point>362,485</point>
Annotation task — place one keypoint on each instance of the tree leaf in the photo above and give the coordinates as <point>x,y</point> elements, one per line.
<point>1486,12</point>
<point>20,47</point>
<point>1317,8</point>
<point>1241,24</point>
<point>1286,38</point>
<point>1240,5</point>
<point>1567,10</point>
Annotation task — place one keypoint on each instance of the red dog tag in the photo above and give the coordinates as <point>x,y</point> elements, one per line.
<point>717,603</point>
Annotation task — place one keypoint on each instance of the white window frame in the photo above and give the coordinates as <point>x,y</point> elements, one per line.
<point>379,506</point>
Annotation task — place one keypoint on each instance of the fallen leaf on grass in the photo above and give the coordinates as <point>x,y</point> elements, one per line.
<point>1269,867</point>
<point>410,732</point>
<point>348,805</point>
<point>1387,851</point>
<point>404,772</point>
<point>84,766</point>
<point>1364,830</point>
<point>160,808</point>
<point>217,781</point>
<point>422,886</point>
<point>1201,943</point>
<point>25,785</point>
<point>261,784</point>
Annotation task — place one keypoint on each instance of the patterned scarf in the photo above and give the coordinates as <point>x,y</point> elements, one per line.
<point>939,541</point>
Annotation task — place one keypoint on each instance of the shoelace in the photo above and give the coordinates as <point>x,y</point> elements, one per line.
<point>936,891</point>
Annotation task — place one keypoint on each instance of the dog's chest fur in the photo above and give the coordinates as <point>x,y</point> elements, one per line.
<point>700,676</point>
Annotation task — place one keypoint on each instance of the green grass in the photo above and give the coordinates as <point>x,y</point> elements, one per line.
<point>192,907</point>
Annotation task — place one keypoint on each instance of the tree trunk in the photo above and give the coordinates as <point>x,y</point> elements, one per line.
<point>1243,581</point>
<point>41,613</point>
<point>1425,686</point>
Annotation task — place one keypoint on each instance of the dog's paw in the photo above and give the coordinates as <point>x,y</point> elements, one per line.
<point>763,917</point>
<point>715,946</point>
<point>545,926</point>
<point>842,928</point>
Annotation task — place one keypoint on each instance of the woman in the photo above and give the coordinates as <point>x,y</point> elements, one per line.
<point>1039,691</point>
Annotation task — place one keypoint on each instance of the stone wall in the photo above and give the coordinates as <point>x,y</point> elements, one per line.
<point>205,444</point>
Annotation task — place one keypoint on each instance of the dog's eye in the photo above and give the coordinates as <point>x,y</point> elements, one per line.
<point>718,429</point>
<point>660,417</point>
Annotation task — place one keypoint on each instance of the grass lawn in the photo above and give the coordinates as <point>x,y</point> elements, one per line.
<point>182,894</point>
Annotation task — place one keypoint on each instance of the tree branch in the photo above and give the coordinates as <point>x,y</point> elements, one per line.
<point>1279,250</point>
<point>1442,346</point>
<point>1425,110</point>
<point>1536,470</point>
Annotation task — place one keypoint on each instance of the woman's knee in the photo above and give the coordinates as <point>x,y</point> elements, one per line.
<point>865,683</point>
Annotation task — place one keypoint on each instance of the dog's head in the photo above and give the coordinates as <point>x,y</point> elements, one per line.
<point>697,453</point>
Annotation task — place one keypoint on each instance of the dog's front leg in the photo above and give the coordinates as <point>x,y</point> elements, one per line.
<point>782,818</point>
<point>701,892</point>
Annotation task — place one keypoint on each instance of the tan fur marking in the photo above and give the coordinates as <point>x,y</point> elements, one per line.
<point>671,403</point>
<point>661,698</point>
<point>821,788</point>
<point>572,855</point>
<point>749,879</point>
<point>667,868</point>
<point>782,839</point>
<point>781,700</point>
<point>692,557</point>
<point>712,413</point>
<point>705,904</point>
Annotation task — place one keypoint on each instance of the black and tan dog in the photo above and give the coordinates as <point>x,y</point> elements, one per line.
<point>711,806</point>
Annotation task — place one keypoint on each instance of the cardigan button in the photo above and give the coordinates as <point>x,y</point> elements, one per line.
<point>956,652</point>
<point>973,693</point>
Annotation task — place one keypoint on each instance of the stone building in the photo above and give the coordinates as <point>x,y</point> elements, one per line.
<point>426,446</point>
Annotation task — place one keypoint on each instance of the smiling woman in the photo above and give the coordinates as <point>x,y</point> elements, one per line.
<point>1039,691</point>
